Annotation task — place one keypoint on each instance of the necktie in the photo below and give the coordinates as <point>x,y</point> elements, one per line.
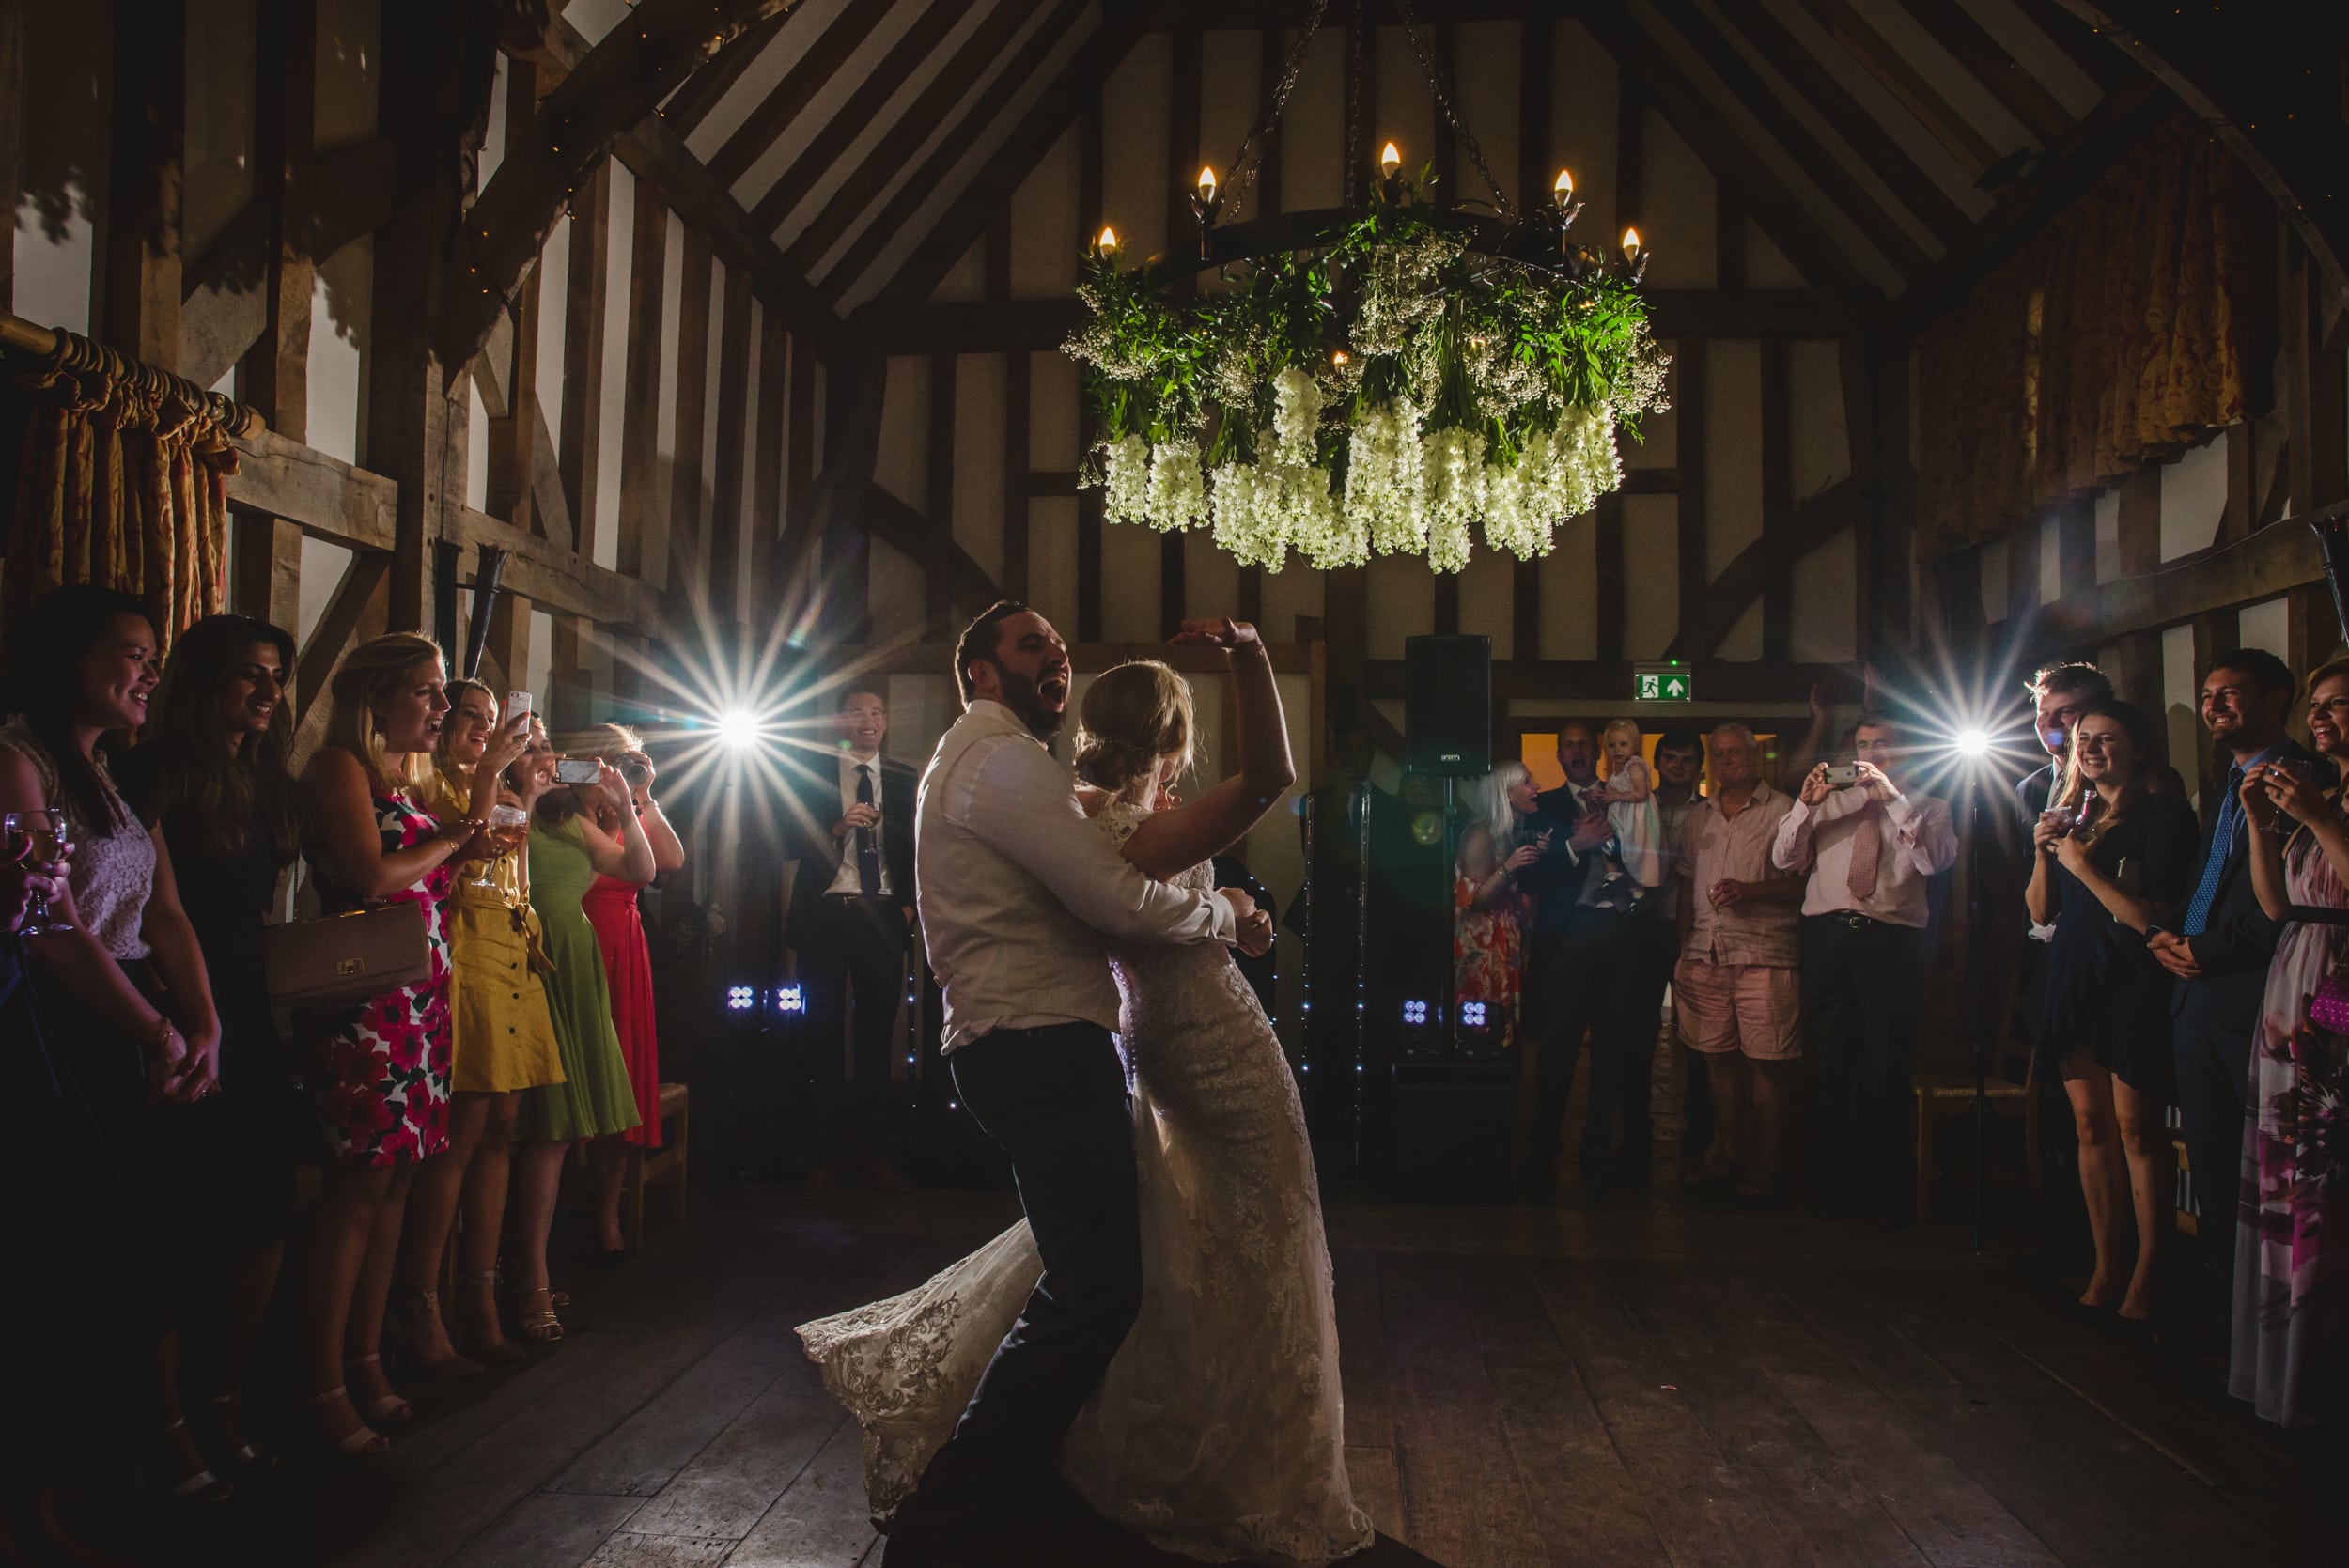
<point>868,862</point>
<point>1867,852</point>
<point>2221,847</point>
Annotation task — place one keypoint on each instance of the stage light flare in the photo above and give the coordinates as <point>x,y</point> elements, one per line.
<point>1972,742</point>
<point>739,729</point>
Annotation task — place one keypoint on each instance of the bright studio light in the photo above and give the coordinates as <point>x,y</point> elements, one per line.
<point>738,730</point>
<point>1972,742</point>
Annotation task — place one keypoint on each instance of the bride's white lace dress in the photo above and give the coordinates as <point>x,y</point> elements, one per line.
<point>1218,1431</point>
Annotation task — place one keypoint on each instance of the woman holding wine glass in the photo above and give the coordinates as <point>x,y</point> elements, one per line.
<point>122,983</point>
<point>501,1041</point>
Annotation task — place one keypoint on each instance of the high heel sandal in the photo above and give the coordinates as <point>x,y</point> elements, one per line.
<point>541,1326</point>
<point>388,1407</point>
<point>416,1302</point>
<point>505,1351</point>
<point>247,1457</point>
<point>361,1438</point>
<point>199,1484</point>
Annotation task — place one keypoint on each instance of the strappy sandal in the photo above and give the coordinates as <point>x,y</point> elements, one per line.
<point>417,1303</point>
<point>199,1484</point>
<point>361,1440</point>
<point>505,1351</point>
<point>386,1407</point>
<point>541,1326</point>
<point>247,1457</point>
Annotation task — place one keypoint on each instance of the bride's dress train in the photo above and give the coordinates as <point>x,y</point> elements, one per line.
<point>1218,1430</point>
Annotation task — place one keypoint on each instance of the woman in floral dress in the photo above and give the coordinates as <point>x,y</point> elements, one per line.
<point>380,1068</point>
<point>2292,1248</point>
<point>1488,931</point>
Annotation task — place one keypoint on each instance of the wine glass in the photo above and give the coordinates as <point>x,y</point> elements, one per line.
<point>36,838</point>
<point>509,827</point>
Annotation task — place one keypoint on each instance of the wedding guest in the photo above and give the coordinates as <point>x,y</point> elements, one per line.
<point>2060,692</point>
<point>213,775</point>
<point>568,852</point>
<point>1867,849</point>
<point>2292,1270</point>
<point>1488,931</point>
<point>1739,981</point>
<point>2112,857</point>
<point>378,1070</point>
<point>611,910</point>
<point>2222,947</point>
<point>124,992</point>
<point>501,1042</point>
<point>1679,771</point>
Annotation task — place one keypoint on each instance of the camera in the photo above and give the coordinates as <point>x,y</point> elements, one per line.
<point>1842,775</point>
<point>637,774</point>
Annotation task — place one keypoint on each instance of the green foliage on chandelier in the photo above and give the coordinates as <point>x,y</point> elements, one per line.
<point>1381,393</point>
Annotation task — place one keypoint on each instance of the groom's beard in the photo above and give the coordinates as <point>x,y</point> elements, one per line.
<point>1019,695</point>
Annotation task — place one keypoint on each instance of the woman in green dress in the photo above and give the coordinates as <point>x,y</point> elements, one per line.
<point>568,852</point>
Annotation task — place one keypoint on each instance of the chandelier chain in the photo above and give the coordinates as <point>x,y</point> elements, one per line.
<point>1466,138</point>
<point>1249,159</point>
<point>1355,43</point>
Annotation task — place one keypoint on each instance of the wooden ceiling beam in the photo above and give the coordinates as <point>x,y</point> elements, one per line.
<point>1879,227</point>
<point>618,82</point>
<point>906,204</point>
<point>1123,22</point>
<point>833,138</point>
<point>1722,148</point>
<point>1859,130</point>
<point>691,104</point>
<point>923,114</point>
<point>1894,72</point>
<point>1969,43</point>
<point>774,112</point>
<point>2086,46</point>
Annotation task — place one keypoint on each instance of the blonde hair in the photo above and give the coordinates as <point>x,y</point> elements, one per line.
<point>601,740</point>
<point>369,674</point>
<point>450,785</point>
<point>1136,716</point>
<point>1499,816</point>
<point>1621,726</point>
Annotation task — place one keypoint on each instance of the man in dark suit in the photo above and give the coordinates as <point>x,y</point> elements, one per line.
<point>851,922</point>
<point>1588,970</point>
<point>2221,945</point>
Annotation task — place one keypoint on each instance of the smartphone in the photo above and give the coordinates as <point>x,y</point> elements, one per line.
<point>577,770</point>
<point>1842,775</point>
<point>517,705</point>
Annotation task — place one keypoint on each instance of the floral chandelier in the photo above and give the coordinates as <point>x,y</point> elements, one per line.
<point>1387,379</point>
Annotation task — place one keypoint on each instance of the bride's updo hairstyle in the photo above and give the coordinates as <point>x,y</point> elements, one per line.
<point>1135,717</point>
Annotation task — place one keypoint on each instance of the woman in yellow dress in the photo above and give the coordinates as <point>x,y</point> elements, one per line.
<point>502,1042</point>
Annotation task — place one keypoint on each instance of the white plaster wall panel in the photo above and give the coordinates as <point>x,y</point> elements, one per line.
<point>2037,54</point>
<point>759,425</point>
<point>1129,583</point>
<point>611,438</point>
<point>1407,114</point>
<point>541,657</point>
<point>1963,91</point>
<point>2107,536</point>
<point>898,590</point>
<point>1485,85</point>
<point>1053,561</point>
<point>966,280</point>
<point>1053,402</point>
<point>1743,640</point>
<point>901,463</point>
<point>979,459</point>
<point>656,552</point>
<point>323,566</point>
<point>476,449</point>
<point>341,311</point>
<point>1134,117</point>
<point>65,114</point>
<point>1210,577</point>
<point>2051,563</point>
<point>1582,98</point>
<point>1733,452</point>
<point>1651,560</point>
<point>1678,210</point>
<point>349,72</point>
<point>1311,129</point>
<point>1290,593</point>
<point>1824,628</point>
<point>1569,591</point>
<point>805,126</point>
<point>595,18</point>
<point>554,288</point>
<point>1993,568</point>
<point>1044,244</point>
<point>1231,95</point>
<point>1766,266</point>
<point>2181,704</point>
<point>809,20</point>
<point>2193,498</point>
<point>1401,603</point>
<point>2265,625</point>
<point>1818,427</point>
<point>1658,445</point>
<point>1488,598</point>
<point>707,493</point>
<point>492,154</point>
<point>218,145</point>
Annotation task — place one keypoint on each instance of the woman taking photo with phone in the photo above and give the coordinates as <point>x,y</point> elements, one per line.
<point>2112,857</point>
<point>501,1042</point>
<point>568,852</point>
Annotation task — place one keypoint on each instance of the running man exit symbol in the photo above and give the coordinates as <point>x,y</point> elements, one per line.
<point>1662,686</point>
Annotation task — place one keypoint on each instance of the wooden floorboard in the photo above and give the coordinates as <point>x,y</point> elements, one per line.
<point>1661,1384</point>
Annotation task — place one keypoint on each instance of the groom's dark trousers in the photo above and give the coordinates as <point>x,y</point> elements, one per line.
<point>1054,1099</point>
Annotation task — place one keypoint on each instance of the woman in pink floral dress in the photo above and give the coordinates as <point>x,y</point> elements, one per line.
<point>1489,925</point>
<point>2292,1247</point>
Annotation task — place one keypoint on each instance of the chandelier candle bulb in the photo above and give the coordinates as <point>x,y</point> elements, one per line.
<point>1630,245</point>
<point>1563,189</point>
<point>1207,184</point>
<point>1389,160</point>
<point>1107,243</point>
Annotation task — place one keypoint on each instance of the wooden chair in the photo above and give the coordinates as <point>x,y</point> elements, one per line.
<point>1953,1095</point>
<point>665,1164</point>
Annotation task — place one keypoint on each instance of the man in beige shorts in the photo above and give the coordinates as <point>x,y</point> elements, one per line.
<point>1738,984</point>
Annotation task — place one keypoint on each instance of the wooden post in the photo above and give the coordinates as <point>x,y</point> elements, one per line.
<point>1089,523</point>
<point>937,551</point>
<point>765,521</point>
<point>689,560</point>
<point>1018,371</point>
<point>11,128</point>
<point>1696,640</point>
<point>1537,66</point>
<point>640,424</point>
<point>513,431</point>
<point>140,279</point>
<point>1777,498</point>
<point>582,354</point>
<point>723,567</point>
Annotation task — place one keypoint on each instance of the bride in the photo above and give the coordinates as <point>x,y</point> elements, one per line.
<point>1218,1430</point>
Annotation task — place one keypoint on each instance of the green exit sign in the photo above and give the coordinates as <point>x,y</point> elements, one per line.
<point>1663,686</point>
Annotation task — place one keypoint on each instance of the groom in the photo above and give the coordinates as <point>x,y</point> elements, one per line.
<point>1016,892</point>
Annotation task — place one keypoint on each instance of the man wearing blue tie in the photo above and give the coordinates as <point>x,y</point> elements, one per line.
<point>2221,945</point>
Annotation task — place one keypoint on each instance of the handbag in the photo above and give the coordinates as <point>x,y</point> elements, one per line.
<point>2327,1006</point>
<point>347,957</point>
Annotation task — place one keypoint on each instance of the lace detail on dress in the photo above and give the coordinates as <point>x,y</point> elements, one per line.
<point>1218,1431</point>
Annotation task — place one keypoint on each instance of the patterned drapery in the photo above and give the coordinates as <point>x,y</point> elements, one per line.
<point>121,480</point>
<point>2108,341</point>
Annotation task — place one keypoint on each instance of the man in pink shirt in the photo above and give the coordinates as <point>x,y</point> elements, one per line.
<point>1867,847</point>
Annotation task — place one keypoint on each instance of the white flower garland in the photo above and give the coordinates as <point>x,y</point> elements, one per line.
<point>1124,480</point>
<point>1176,495</point>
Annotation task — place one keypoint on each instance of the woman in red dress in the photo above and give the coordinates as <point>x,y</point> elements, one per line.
<point>611,905</point>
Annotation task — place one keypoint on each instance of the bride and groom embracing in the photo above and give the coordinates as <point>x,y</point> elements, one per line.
<point>1154,1348</point>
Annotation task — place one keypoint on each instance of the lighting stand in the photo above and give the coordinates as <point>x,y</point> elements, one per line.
<point>2331,527</point>
<point>1978,939</point>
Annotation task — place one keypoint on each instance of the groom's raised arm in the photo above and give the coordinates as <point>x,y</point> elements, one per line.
<point>1020,805</point>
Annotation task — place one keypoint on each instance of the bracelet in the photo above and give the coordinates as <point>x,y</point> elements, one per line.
<point>164,1030</point>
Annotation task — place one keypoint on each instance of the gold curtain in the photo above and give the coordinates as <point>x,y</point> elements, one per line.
<point>2108,341</point>
<point>122,480</point>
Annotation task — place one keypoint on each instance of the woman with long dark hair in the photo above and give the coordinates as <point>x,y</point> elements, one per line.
<point>2112,856</point>
<point>378,1070</point>
<point>122,981</point>
<point>213,776</point>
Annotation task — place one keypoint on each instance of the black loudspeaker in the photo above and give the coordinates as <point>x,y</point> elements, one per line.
<point>1448,704</point>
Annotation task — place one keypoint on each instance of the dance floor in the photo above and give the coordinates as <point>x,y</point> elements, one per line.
<point>1650,1383</point>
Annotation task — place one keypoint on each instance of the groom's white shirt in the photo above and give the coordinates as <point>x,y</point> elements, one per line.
<point>1018,890</point>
